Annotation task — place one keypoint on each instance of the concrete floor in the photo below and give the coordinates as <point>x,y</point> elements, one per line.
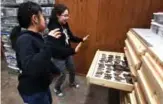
<point>86,94</point>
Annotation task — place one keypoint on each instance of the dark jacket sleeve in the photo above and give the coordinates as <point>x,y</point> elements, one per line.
<point>73,38</point>
<point>58,50</point>
<point>32,62</point>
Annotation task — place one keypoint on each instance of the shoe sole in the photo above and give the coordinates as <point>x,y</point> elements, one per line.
<point>60,94</point>
<point>77,86</point>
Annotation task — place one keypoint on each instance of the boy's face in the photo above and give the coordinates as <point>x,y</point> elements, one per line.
<point>42,24</point>
<point>39,22</point>
<point>63,18</point>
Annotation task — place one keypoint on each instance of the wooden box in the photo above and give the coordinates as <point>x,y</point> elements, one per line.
<point>94,77</point>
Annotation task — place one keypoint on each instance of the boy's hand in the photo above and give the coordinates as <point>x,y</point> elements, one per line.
<point>55,33</point>
<point>85,38</point>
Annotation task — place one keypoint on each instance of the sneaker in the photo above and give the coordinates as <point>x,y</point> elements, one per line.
<point>76,85</point>
<point>58,92</point>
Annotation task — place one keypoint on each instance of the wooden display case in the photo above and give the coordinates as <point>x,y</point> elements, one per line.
<point>104,72</point>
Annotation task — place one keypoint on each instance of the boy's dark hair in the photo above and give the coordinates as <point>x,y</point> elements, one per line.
<point>24,14</point>
<point>57,10</point>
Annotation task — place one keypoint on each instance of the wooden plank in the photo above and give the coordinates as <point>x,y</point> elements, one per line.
<point>153,74</point>
<point>157,53</point>
<point>127,99</point>
<point>138,46</point>
<point>111,84</point>
<point>124,98</point>
<point>139,94</point>
<point>150,96</point>
<point>156,66</point>
<point>154,80</point>
<point>132,69</point>
<point>134,58</point>
<point>112,53</point>
<point>132,97</point>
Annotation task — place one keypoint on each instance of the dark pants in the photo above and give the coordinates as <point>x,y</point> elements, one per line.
<point>62,65</point>
<point>38,98</point>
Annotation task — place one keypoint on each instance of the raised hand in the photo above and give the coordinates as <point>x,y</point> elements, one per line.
<point>55,33</point>
<point>85,38</point>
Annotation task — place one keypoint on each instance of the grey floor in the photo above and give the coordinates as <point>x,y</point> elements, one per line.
<point>86,94</point>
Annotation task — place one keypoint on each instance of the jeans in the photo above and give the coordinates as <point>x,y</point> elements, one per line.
<point>68,64</point>
<point>38,98</point>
